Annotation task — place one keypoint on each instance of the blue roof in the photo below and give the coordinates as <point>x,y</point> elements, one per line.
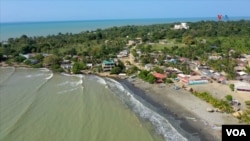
<point>108,62</point>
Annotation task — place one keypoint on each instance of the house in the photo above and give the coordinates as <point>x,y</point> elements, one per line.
<point>213,47</point>
<point>138,40</point>
<point>203,67</point>
<point>214,57</point>
<point>183,59</point>
<point>138,52</point>
<point>66,66</point>
<point>27,56</point>
<point>89,65</point>
<point>159,77</point>
<point>242,86</point>
<point>192,80</point>
<point>239,68</point>
<point>123,53</point>
<point>152,54</point>
<point>107,65</point>
<point>172,61</point>
<point>241,73</point>
<point>218,77</point>
<point>148,67</point>
<point>246,78</point>
<point>131,42</point>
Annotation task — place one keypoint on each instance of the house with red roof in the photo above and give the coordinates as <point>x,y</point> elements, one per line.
<point>160,78</point>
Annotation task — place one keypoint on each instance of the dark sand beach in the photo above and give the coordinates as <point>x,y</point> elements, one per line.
<point>180,106</point>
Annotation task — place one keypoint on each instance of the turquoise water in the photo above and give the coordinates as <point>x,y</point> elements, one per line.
<point>13,30</point>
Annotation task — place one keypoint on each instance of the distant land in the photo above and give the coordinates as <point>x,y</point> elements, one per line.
<point>44,28</point>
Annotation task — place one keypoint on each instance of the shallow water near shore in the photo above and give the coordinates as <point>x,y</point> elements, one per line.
<point>39,105</point>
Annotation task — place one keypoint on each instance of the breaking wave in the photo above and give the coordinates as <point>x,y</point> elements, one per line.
<point>99,79</point>
<point>162,125</point>
<point>76,75</point>
<point>44,70</point>
<point>67,91</point>
<point>47,79</point>
<point>72,84</point>
<point>35,75</point>
<point>50,76</point>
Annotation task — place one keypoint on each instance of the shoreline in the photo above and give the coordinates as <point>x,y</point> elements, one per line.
<point>195,122</point>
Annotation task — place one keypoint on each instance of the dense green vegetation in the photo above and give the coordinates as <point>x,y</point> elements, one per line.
<point>168,80</point>
<point>132,70</point>
<point>221,104</point>
<point>202,39</point>
<point>147,76</point>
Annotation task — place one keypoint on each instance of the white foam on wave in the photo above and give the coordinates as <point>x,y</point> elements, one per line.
<point>162,125</point>
<point>71,83</point>
<point>67,91</point>
<point>35,75</point>
<point>117,84</point>
<point>44,70</point>
<point>76,75</point>
<point>100,80</point>
<point>63,83</point>
<point>74,84</point>
<point>50,76</point>
<point>65,74</point>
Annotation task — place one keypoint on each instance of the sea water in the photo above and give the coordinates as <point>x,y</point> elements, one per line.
<point>14,30</point>
<point>37,105</point>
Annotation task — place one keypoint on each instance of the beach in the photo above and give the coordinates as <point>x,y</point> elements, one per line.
<point>181,104</point>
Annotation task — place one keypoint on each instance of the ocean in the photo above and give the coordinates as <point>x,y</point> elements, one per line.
<point>14,30</point>
<point>37,105</point>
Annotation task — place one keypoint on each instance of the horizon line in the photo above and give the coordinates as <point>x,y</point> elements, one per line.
<point>80,20</point>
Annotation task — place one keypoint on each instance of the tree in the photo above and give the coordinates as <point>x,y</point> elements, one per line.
<point>121,65</point>
<point>77,67</point>
<point>188,40</point>
<point>169,80</point>
<point>150,78</point>
<point>134,53</point>
<point>231,86</point>
<point>132,70</point>
<point>159,70</point>
<point>39,57</point>
<point>19,59</point>
<point>229,97</point>
<point>116,70</point>
<point>51,60</point>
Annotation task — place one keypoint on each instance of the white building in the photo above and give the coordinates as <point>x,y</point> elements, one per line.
<point>181,26</point>
<point>242,86</point>
<point>123,53</point>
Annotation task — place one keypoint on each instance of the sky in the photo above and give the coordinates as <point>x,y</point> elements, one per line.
<point>65,10</point>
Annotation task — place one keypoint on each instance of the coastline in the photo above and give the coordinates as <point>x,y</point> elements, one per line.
<point>182,105</point>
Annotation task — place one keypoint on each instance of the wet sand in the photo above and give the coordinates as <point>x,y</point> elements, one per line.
<point>180,105</point>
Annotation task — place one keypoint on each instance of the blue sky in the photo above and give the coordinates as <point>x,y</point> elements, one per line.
<point>58,10</point>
